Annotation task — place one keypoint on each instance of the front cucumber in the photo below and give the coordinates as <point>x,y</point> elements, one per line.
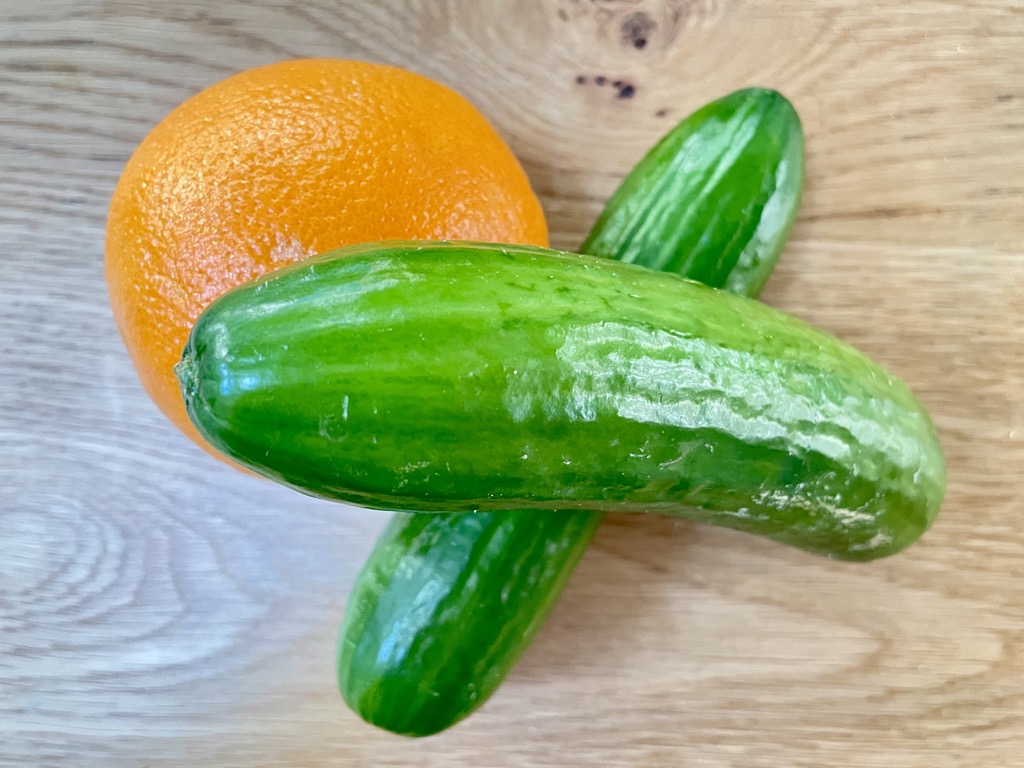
<point>464,377</point>
<point>447,603</point>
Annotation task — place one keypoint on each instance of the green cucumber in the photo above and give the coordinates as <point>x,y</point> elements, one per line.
<point>447,603</point>
<point>465,377</point>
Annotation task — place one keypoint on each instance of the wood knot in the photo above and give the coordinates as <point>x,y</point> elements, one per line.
<point>646,25</point>
<point>637,29</point>
<point>623,88</point>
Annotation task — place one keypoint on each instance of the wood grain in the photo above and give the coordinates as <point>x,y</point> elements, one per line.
<point>158,609</point>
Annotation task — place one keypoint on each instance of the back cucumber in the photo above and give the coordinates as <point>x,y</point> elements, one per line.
<point>447,603</point>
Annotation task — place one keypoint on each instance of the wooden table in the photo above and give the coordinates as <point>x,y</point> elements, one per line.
<point>159,609</point>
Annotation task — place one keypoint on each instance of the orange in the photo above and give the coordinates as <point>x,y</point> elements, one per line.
<point>289,160</point>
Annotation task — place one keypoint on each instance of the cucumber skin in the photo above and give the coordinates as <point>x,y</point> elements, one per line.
<point>427,636</point>
<point>464,377</point>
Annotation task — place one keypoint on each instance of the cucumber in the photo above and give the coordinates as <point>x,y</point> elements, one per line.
<point>465,377</point>
<point>447,603</point>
